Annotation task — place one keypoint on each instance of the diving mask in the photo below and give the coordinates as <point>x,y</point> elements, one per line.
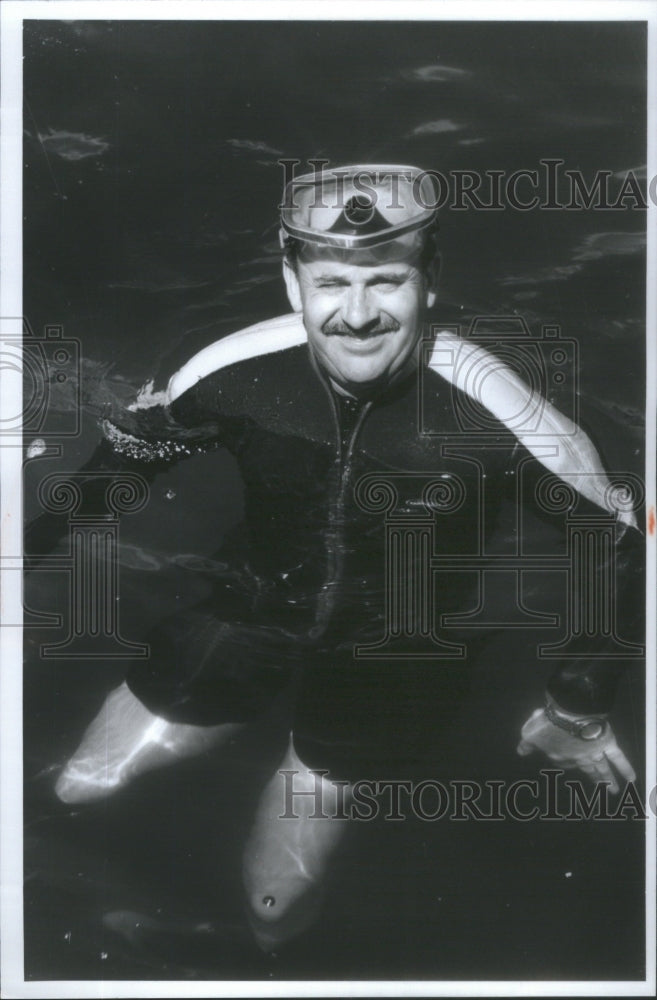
<point>358,207</point>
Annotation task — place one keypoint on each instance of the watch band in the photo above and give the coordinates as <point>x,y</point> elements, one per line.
<point>590,728</point>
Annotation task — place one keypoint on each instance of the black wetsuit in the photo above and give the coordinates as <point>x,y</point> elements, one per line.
<point>363,524</point>
<point>317,575</point>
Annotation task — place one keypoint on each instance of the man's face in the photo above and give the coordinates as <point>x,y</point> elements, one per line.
<point>363,321</point>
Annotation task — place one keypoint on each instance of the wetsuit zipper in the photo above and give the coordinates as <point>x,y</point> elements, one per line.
<point>348,415</point>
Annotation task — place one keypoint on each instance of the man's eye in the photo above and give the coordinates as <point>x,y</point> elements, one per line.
<point>387,284</point>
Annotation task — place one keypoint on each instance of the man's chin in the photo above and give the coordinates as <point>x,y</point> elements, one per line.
<point>362,362</point>
<point>359,381</point>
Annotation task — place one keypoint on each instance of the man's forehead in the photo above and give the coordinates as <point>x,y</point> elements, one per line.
<point>355,268</point>
<point>403,252</point>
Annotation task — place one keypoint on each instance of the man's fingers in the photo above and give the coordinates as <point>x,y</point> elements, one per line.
<point>536,714</point>
<point>621,763</point>
<point>599,770</point>
<point>524,748</point>
<point>533,725</point>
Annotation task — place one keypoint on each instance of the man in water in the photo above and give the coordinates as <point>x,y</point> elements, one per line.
<point>321,411</point>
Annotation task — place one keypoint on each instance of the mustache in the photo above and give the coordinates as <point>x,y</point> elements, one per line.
<point>337,329</point>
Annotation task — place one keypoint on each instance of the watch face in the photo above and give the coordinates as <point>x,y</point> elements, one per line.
<point>591,730</point>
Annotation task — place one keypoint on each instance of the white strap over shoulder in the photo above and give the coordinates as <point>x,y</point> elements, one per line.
<point>262,338</point>
<point>554,440</point>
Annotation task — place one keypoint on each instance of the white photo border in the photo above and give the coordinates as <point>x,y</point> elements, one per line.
<point>12,14</point>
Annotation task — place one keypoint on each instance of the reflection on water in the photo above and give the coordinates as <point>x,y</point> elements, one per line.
<point>150,192</point>
<point>71,145</point>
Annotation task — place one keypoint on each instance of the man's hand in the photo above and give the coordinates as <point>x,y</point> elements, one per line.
<point>593,757</point>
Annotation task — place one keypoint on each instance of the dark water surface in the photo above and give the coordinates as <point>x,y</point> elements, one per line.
<point>151,186</point>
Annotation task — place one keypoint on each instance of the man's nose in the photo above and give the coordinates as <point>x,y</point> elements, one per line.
<point>360,312</point>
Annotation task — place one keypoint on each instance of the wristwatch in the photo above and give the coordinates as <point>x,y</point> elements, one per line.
<point>585,729</point>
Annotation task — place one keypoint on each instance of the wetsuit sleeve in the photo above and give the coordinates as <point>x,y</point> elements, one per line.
<point>589,685</point>
<point>192,423</point>
<point>146,441</point>
<point>586,680</point>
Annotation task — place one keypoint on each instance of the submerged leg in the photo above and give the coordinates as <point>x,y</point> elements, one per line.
<point>297,828</point>
<point>125,740</point>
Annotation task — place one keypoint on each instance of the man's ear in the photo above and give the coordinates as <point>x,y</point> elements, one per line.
<point>432,273</point>
<point>292,285</point>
